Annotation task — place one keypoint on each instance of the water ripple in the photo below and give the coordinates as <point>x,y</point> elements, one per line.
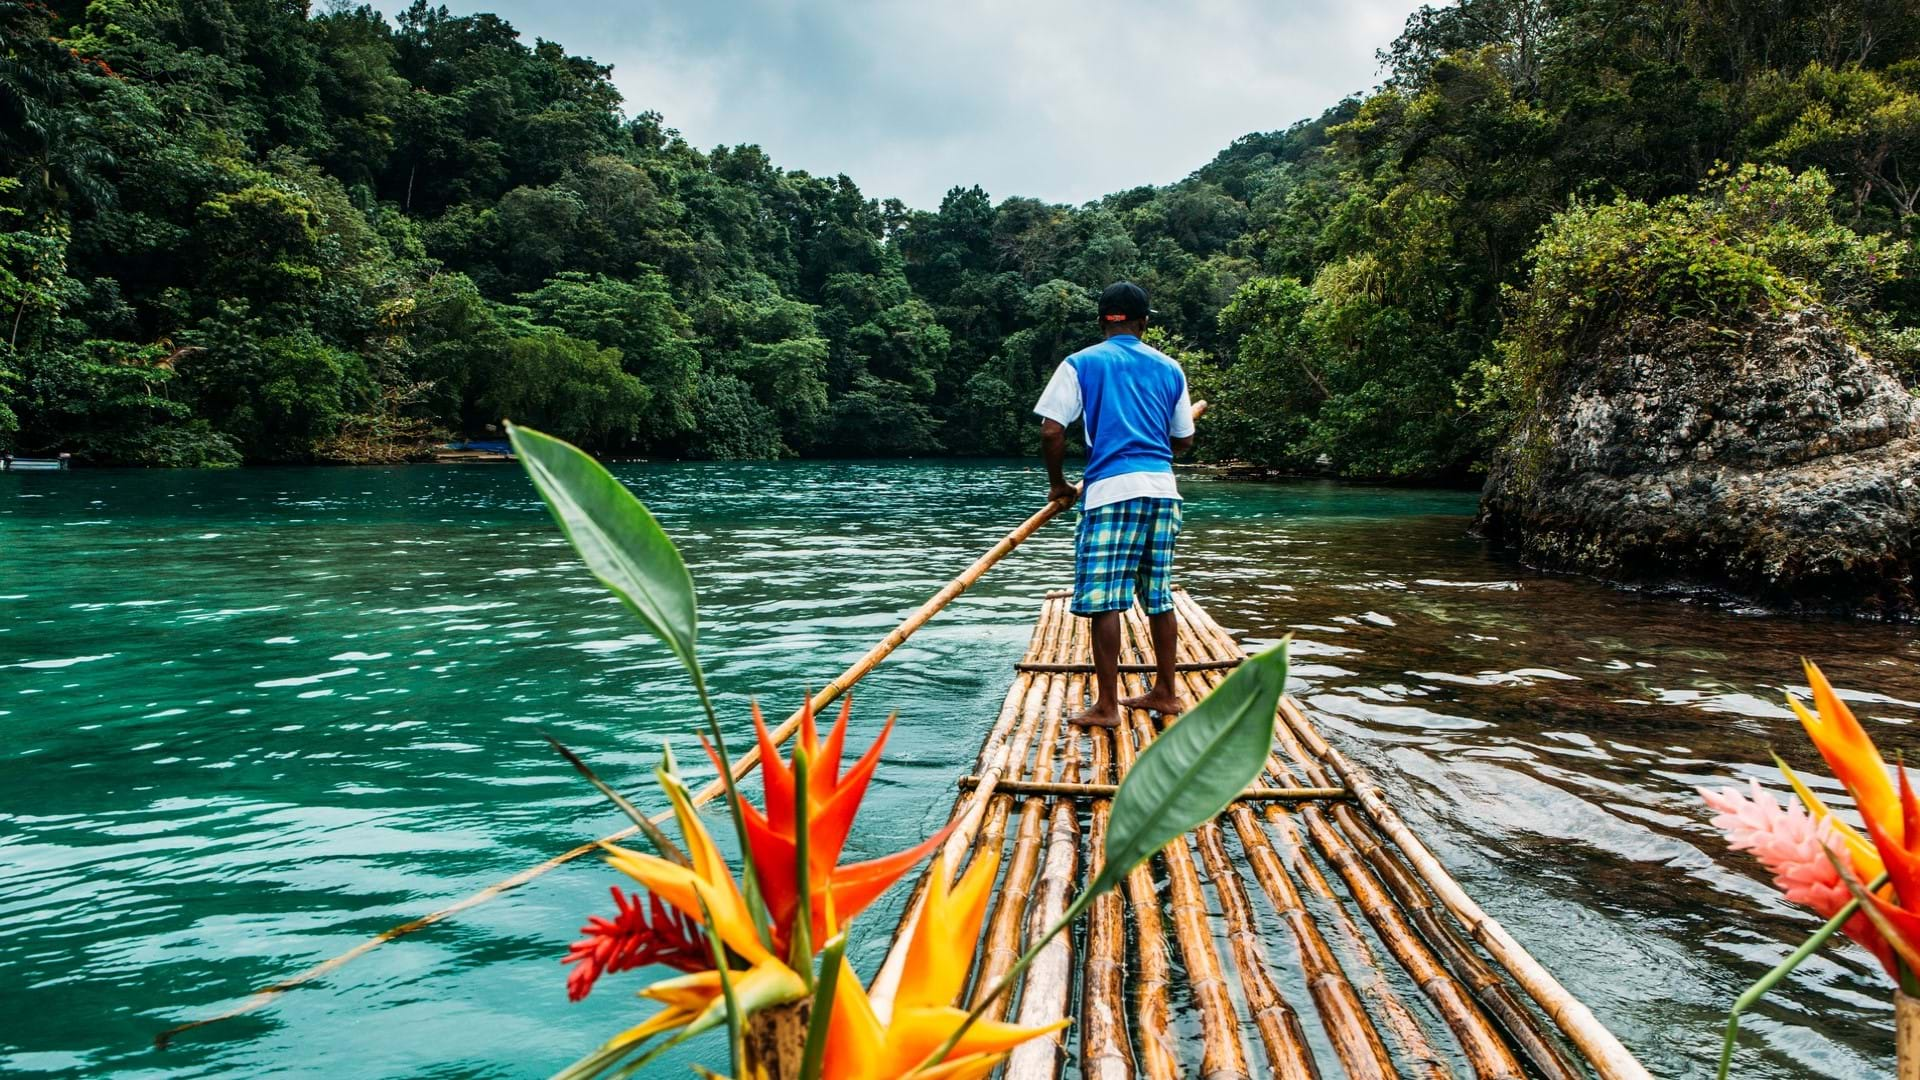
<point>258,716</point>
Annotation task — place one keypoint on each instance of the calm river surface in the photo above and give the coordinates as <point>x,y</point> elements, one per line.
<point>253,717</point>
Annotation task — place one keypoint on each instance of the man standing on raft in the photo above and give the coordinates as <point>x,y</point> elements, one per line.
<point>1137,417</point>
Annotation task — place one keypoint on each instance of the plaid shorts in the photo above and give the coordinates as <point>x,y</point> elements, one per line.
<point>1123,548</point>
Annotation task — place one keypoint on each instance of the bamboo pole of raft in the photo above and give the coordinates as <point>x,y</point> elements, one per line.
<point>1004,938</point>
<point>1406,1027</point>
<point>1048,985</point>
<point>1108,1050</point>
<point>1486,986</point>
<point>1087,790</point>
<point>1355,1040</point>
<point>1599,1045</point>
<point>1154,971</point>
<point>1222,1056</point>
<point>1002,947</point>
<point>741,765</point>
<point>1274,1019</point>
<point>1485,1051</point>
<point>1106,1053</point>
<point>1001,754</point>
<point>1906,1036</point>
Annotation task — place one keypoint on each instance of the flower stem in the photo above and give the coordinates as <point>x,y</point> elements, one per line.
<point>1780,971</point>
<point>800,947</point>
<point>750,877</point>
<point>819,1020</point>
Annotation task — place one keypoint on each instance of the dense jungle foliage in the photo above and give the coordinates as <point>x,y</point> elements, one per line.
<point>239,230</point>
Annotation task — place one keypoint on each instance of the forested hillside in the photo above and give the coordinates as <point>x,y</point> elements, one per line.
<point>237,230</point>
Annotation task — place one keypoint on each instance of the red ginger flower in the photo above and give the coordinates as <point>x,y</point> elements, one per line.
<point>634,938</point>
<point>1793,845</point>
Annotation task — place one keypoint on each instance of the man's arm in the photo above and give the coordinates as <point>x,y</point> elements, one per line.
<point>1053,450</point>
<point>1183,443</point>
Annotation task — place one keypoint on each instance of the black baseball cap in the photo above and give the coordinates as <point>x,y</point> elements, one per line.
<point>1123,301</point>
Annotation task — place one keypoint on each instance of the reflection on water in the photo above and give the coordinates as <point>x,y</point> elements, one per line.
<point>257,716</point>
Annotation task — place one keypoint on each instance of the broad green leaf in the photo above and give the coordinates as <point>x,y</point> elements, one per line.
<point>1194,768</point>
<point>616,536</point>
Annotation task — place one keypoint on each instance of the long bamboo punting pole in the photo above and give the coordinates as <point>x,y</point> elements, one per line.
<point>827,695</point>
<point>1222,1055</point>
<point>1599,1045</point>
<point>1482,1045</point>
<point>1407,1030</point>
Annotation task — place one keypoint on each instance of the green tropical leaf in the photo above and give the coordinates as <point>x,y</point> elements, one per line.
<point>616,536</point>
<point>1194,768</point>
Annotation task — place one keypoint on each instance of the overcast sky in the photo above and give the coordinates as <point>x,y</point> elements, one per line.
<point>1057,99</point>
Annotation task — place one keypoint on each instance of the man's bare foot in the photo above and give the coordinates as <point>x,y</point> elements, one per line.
<point>1166,704</point>
<point>1102,715</point>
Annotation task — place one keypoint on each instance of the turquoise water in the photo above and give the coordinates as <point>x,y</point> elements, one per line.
<point>255,717</point>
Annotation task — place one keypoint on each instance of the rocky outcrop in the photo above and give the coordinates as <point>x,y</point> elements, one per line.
<point>1778,464</point>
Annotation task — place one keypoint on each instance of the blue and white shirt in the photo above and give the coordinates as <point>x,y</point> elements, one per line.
<point>1134,400</point>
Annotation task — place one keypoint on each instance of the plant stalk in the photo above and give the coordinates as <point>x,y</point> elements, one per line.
<point>1780,971</point>
<point>756,906</point>
<point>800,950</point>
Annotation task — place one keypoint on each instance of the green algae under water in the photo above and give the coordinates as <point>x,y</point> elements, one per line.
<point>252,718</point>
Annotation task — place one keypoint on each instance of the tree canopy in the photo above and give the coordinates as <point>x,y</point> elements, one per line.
<point>233,230</point>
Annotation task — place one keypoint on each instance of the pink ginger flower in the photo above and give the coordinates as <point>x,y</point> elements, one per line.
<point>1792,844</point>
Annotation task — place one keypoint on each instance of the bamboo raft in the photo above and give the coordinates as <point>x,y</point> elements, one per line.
<point>1383,966</point>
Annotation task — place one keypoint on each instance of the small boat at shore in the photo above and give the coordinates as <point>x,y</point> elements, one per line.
<point>474,452</point>
<point>9,463</point>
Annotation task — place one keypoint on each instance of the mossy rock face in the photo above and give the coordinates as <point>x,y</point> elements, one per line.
<point>1776,463</point>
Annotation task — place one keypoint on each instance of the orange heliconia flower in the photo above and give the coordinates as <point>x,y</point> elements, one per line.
<point>1899,920</point>
<point>860,1047</point>
<point>1893,820</point>
<point>1850,752</point>
<point>835,893</point>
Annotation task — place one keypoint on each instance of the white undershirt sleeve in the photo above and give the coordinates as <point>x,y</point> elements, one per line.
<point>1180,424</point>
<point>1060,401</point>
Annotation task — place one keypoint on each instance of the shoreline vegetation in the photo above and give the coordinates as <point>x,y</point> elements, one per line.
<point>239,232</point>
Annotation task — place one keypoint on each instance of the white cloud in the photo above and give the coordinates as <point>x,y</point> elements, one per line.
<point>1064,101</point>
